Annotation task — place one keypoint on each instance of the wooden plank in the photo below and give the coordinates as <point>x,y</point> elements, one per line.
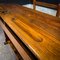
<point>46,4</point>
<point>58,10</point>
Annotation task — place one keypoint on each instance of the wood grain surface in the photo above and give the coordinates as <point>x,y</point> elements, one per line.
<point>40,32</point>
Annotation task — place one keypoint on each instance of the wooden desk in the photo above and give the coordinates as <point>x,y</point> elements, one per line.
<point>40,32</point>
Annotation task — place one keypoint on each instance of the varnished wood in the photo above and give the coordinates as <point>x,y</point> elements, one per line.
<point>34,4</point>
<point>38,31</point>
<point>58,10</point>
<point>46,5</point>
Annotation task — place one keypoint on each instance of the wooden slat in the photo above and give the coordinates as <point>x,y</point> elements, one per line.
<point>46,4</point>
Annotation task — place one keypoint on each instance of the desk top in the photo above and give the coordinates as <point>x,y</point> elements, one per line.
<point>40,32</point>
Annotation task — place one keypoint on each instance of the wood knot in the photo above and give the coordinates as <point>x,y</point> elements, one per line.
<point>13,18</point>
<point>39,40</point>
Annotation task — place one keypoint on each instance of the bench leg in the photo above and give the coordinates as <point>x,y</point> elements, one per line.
<point>58,11</point>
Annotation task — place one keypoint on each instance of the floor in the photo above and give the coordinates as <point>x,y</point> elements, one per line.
<point>6,52</point>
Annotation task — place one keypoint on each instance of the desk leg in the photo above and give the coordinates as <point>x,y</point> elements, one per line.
<point>6,40</point>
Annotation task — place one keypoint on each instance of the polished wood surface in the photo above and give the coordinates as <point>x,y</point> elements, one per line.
<point>40,32</point>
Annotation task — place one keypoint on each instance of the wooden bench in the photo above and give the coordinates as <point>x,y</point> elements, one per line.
<point>54,6</point>
<point>40,32</point>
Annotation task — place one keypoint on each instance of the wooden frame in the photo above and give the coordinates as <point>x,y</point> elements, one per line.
<point>47,5</point>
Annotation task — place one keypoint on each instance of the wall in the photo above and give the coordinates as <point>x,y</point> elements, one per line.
<point>15,1</point>
<point>27,1</point>
<point>51,1</point>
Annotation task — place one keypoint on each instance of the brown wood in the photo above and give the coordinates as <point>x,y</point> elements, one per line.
<point>34,4</point>
<point>46,5</point>
<point>58,10</point>
<point>40,32</point>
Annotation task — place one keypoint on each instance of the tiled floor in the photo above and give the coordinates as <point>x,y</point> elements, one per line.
<point>42,9</point>
<point>6,52</point>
